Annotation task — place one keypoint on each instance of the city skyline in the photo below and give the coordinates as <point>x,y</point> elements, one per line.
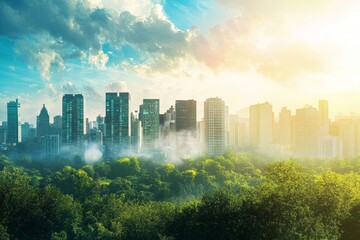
<point>307,133</point>
<point>243,52</point>
<point>245,111</point>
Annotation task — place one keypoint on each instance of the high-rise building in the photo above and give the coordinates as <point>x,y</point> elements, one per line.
<point>117,119</point>
<point>200,135</point>
<point>215,132</point>
<point>167,125</point>
<point>3,133</point>
<point>73,119</point>
<point>324,112</point>
<point>347,131</point>
<point>95,136</point>
<point>261,126</point>
<point>150,122</point>
<point>13,121</point>
<point>284,134</point>
<point>135,133</point>
<point>56,127</point>
<point>43,122</point>
<point>185,116</point>
<point>25,132</point>
<point>58,121</point>
<point>307,132</point>
<point>100,124</point>
<point>50,145</point>
<point>238,132</point>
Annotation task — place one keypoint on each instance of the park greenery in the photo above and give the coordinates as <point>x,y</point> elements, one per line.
<point>241,195</point>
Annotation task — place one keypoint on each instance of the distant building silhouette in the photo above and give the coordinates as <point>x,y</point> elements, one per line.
<point>261,126</point>
<point>43,122</point>
<point>324,112</point>
<point>135,133</point>
<point>307,132</point>
<point>25,132</point>
<point>3,133</point>
<point>238,132</point>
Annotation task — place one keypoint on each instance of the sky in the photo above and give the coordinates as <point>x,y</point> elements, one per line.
<point>287,52</point>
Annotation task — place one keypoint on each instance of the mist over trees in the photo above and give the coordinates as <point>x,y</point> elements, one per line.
<point>235,196</point>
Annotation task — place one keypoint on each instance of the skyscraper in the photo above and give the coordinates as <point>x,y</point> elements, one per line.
<point>135,133</point>
<point>25,132</point>
<point>238,131</point>
<point>3,133</point>
<point>50,145</point>
<point>72,119</point>
<point>261,126</point>
<point>307,132</point>
<point>285,127</point>
<point>56,128</point>
<point>167,125</point>
<point>13,121</point>
<point>58,121</point>
<point>117,119</point>
<point>43,123</point>
<point>324,112</point>
<point>185,115</point>
<point>149,116</point>
<point>215,132</point>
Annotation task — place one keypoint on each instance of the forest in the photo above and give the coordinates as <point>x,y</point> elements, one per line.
<point>240,195</point>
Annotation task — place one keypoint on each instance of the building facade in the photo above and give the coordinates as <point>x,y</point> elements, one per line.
<point>215,126</point>
<point>73,119</point>
<point>43,122</point>
<point>13,123</point>
<point>117,119</point>
<point>261,123</point>
<point>150,123</point>
<point>185,119</point>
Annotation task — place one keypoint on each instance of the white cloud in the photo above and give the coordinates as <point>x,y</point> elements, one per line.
<point>99,60</point>
<point>137,8</point>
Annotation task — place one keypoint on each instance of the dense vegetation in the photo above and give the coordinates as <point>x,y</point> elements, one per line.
<point>235,196</point>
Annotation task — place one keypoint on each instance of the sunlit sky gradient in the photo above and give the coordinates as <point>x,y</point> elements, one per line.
<point>287,52</point>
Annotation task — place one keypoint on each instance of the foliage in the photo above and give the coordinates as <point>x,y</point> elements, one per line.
<point>234,196</point>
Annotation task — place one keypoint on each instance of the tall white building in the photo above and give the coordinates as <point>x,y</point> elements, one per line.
<point>215,126</point>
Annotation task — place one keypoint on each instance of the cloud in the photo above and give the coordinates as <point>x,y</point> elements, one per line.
<point>92,94</point>
<point>43,53</point>
<point>260,37</point>
<point>73,28</point>
<point>278,10</point>
<point>70,88</point>
<point>118,86</point>
<point>12,68</point>
<point>137,8</point>
<point>292,61</point>
<point>99,59</point>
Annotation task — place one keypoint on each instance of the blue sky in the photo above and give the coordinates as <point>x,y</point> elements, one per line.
<point>243,51</point>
